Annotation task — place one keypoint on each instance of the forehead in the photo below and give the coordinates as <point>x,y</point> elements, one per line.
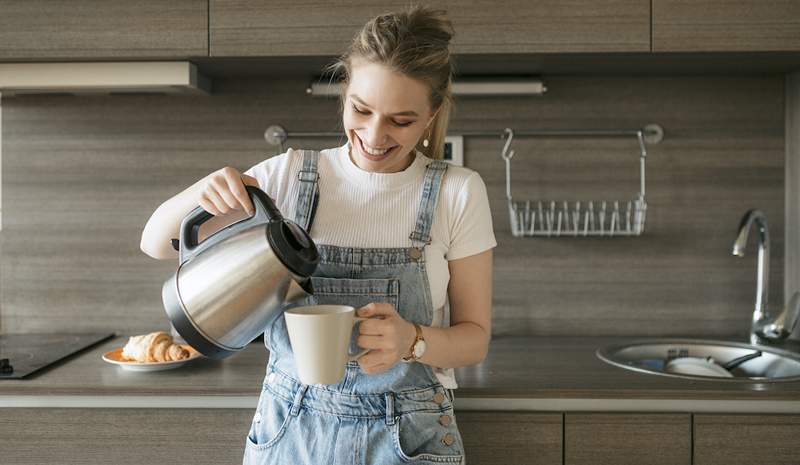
<point>385,90</point>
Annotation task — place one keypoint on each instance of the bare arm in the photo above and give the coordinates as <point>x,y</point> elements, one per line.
<point>221,193</point>
<point>466,341</point>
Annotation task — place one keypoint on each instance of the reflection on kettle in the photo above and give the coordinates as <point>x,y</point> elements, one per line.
<point>230,286</point>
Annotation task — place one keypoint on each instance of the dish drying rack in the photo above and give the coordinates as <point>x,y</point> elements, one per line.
<point>581,218</point>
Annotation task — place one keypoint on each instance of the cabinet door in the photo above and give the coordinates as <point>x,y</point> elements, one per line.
<point>621,439</point>
<point>44,29</point>
<point>746,439</point>
<point>123,436</point>
<point>511,437</point>
<point>726,25</point>
<point>318,27</point>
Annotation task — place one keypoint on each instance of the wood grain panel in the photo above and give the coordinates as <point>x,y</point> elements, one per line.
<point>745,439</point>
<point>123,436</point>
<point>252,28</point>
<point>511,437</point>
<point>621,439</point>
<point>726,25</point>
<point>81,176</point>
<point>42,29</point>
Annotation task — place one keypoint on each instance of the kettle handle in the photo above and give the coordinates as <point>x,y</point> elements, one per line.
<point>265,211</point>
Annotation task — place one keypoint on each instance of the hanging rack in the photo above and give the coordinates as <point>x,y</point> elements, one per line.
<point>552,218</point>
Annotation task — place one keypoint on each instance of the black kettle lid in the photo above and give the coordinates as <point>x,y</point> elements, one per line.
<point>293,246</point>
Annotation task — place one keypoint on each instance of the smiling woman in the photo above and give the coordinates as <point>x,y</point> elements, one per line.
<point>402,236</point>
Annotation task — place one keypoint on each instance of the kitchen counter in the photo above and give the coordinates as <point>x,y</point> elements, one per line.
<point>520,373</point>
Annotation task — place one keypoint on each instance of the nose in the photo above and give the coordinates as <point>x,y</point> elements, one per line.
<point>377,133</point>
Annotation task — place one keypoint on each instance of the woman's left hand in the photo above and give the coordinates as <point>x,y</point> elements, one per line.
<point>389,337</point>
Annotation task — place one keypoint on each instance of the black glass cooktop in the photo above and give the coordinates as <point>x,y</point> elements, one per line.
<point>23,354</point>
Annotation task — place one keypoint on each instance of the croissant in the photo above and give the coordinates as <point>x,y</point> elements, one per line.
<point>154,347</point>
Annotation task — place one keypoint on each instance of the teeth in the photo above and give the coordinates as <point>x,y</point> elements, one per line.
<point>373,151</point>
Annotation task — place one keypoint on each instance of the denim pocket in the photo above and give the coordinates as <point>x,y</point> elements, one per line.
<point>355,292</point>
<point>420,437</point>
<point>269,422</point>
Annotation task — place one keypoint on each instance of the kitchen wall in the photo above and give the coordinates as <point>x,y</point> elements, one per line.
<point>81,175</point>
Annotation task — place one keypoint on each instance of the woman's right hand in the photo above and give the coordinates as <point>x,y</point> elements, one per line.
<point>224,192</point>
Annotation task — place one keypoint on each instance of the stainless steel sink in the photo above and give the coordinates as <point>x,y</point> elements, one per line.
<point>650,356</point>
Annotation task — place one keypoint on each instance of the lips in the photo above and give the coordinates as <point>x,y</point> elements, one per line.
<point>373,156</point>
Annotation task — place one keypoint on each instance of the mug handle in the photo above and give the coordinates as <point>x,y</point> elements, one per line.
<point>355,357</point>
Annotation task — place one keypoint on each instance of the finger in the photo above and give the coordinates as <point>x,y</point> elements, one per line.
<point>371,342</point>
<point>208,205</point>
<point>236,186</point>
<point>372,327</point>
<point>224,192</point>
<point>377,309</point>
<point>212,195</point>
<point>371,359</point>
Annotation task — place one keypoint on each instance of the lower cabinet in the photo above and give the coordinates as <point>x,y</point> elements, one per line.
<point>217,436</point>
<point>746,439</point>
<point>88,436</point>
<point>627,438</point>
<point>511,437</point>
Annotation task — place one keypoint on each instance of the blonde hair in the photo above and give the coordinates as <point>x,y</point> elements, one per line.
<point>414,43</point>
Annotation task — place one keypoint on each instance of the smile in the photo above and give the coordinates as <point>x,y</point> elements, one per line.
<point>374,153</point>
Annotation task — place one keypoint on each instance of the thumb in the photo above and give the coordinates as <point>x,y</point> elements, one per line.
<point>376,309</point>
<point>250,181</point>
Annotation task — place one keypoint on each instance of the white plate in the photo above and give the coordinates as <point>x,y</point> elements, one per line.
<point>115,357</point>
<point>696,366</point>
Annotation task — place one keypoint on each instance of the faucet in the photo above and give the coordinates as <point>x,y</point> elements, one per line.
<point>764,326</point>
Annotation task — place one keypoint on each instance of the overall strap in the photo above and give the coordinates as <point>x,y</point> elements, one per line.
<point>430,194</point>
<point>308,194</point>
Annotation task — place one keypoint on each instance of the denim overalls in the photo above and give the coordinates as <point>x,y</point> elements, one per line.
<point>402,415</point>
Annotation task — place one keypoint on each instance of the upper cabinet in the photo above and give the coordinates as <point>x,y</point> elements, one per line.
<point>41,30</point>
<point>726,25</point>
<point>241,28</point>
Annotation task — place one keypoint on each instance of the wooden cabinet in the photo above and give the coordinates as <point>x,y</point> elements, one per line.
<point>726,25</point>
<point>318,27</point>
<point>627,438</point>
<point>123,436</point>
<point>746,439</point>
<point>511,437</point>
<point>42,30</point>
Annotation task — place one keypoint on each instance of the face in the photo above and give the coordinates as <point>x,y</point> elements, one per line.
<point>385,115</point>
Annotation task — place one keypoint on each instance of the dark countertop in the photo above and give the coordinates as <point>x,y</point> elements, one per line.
<point>516,368</point>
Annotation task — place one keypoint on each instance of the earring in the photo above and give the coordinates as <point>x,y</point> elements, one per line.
<point>425,142</point>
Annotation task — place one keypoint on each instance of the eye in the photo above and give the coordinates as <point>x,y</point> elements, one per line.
<point>402,125</point>
<point>357,110</point>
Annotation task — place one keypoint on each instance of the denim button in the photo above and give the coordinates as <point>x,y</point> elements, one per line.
<point>448,439</point>
<point>444,420</point>
<point>415,253</point>
<point>438,398</point>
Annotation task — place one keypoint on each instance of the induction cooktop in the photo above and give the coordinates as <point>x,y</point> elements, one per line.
<point>22,354</point>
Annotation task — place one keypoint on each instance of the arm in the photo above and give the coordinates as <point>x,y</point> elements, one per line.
<point>221,193</point>
<point>465,342</point>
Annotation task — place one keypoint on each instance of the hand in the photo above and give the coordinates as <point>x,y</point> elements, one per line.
<point>225,192</point>
<point>389,337</point>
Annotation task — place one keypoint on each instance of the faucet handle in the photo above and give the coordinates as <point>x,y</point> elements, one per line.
<point>785,323</point>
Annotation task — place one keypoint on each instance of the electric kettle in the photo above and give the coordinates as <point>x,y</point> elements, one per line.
<point>228,287</point>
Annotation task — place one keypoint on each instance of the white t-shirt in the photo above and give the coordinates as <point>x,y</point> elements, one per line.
<point>358,208</point>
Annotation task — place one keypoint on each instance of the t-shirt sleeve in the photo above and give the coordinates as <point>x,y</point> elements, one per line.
<point>269,173</point>
<point>472,231</point>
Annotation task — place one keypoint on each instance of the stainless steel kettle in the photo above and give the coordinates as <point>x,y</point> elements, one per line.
<point>230,286</point>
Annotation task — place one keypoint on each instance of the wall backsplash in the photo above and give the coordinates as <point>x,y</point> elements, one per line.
<point>81,175</point>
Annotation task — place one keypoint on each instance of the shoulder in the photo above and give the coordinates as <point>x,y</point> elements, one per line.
<point>460,182</point>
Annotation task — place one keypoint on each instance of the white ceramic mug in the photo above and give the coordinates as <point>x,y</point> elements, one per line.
<point>320,339</point>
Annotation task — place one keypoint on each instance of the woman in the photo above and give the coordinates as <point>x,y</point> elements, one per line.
<point>359,203</point>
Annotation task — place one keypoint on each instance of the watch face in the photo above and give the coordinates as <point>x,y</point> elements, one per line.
<point>419,348</point>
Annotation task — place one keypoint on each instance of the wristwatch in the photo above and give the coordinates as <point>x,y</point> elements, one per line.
<point>418,347</point>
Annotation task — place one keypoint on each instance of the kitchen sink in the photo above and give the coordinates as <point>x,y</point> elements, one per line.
<point>747,362</point>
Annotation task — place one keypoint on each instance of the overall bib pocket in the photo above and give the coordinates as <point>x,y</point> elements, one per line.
<point>425,437</point>
<point>270,421</point>
<point>355,292</point>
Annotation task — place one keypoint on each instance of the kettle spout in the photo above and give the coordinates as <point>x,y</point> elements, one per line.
<point>299,288</point>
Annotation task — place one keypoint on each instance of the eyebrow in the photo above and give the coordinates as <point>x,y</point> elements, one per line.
<point>401,113</point>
